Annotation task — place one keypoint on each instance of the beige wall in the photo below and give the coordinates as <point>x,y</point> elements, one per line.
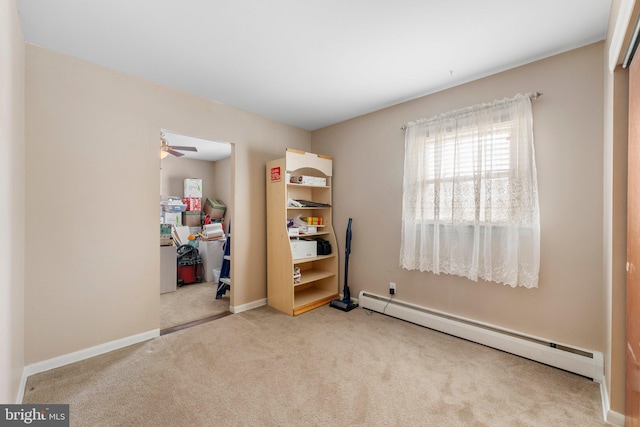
<point>12,170</point>
<point>92,184</point>
<point>568,127</point>
<point>174,170</point>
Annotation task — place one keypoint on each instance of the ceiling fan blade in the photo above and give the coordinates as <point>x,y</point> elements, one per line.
<point>174,153</point>
<point>178,147</point>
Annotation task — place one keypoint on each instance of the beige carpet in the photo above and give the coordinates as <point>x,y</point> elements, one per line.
<point>323,368</point>
<point>191,302</point>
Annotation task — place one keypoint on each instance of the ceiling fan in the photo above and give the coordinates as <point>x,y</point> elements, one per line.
<point>166,149</point>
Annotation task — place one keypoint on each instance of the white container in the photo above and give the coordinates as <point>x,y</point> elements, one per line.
<point>301,249</point>
<point>173,218</point>
<point>192,187</point>
<point>293,231</point>
<point>309,180</point>
<point>216,274</point>
<point>173,207</point>
<point>211,254</point>
<point>308,229</point>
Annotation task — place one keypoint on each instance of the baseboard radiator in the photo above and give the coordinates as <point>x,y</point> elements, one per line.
<point>583,362</point>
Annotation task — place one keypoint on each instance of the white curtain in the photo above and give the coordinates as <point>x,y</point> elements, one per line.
<point>470,194</point>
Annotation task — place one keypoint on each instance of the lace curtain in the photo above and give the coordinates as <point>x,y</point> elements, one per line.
<point>470,194</point>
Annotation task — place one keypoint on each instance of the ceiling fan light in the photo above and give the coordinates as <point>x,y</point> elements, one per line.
<point>163,154</point>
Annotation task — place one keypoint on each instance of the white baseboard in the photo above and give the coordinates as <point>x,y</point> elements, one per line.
<point>76,356</point>
<point>581,361</point>
<point>615,418</point>
<point>244,307</point>
<point>611,417</point>
<point>66,359</point>
<point>23,384</point>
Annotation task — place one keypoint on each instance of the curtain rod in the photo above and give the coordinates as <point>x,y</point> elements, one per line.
<point>532,96</point>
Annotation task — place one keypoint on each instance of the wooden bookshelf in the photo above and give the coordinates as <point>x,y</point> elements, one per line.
<point>319,275</point>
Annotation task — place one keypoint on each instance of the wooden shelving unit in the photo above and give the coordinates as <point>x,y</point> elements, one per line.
<point>319,275</point>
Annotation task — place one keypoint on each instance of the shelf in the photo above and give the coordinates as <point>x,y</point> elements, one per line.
<point>290,184</point>
<point>308,276</point>
<point>319,233</point>
<point>311,298</point>
<point>319,275</point>
<point>309,207</point>
<point>318,258</point>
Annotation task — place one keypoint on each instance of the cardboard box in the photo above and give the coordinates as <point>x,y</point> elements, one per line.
<point>192,187</point>
<point>173,218</point>
<point>301,249</point>
<point>192,219</point>
<point>193,203</point>
<point>214,208</point>
<point>308,180</point>
<point>165,235</point>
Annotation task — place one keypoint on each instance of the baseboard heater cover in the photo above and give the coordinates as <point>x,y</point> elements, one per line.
<point>587,363</point>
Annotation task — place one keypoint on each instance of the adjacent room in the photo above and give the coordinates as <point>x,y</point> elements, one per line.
<point>277,213</point>
<point>195,179</point>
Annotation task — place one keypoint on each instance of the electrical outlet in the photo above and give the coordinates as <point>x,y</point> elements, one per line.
<point>392,288</point>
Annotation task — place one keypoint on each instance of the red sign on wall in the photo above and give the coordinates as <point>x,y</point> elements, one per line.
<point>275,174</point>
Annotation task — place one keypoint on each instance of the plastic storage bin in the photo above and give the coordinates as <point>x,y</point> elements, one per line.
<point>172,207</point>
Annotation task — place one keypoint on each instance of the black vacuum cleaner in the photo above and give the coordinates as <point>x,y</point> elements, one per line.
<point>345,304</point>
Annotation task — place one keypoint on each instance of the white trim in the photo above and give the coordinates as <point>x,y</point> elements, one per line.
<point>604,398</point>
<point>615,418</point>
<point>528,346</point>
<point>248,306</point>
<point>609,416</point>
<point>619,32</point>
<point>77,356</point>
<point>23,383</point>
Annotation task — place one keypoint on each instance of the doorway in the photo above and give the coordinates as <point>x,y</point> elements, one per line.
<point>211,163</point>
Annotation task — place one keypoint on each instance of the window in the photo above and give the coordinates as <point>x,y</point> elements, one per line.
<point>470,202</point>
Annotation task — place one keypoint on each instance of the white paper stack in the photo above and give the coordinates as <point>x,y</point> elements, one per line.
<point>212,231</point>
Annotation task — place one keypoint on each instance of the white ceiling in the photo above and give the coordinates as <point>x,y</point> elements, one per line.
<point>312,63</point>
